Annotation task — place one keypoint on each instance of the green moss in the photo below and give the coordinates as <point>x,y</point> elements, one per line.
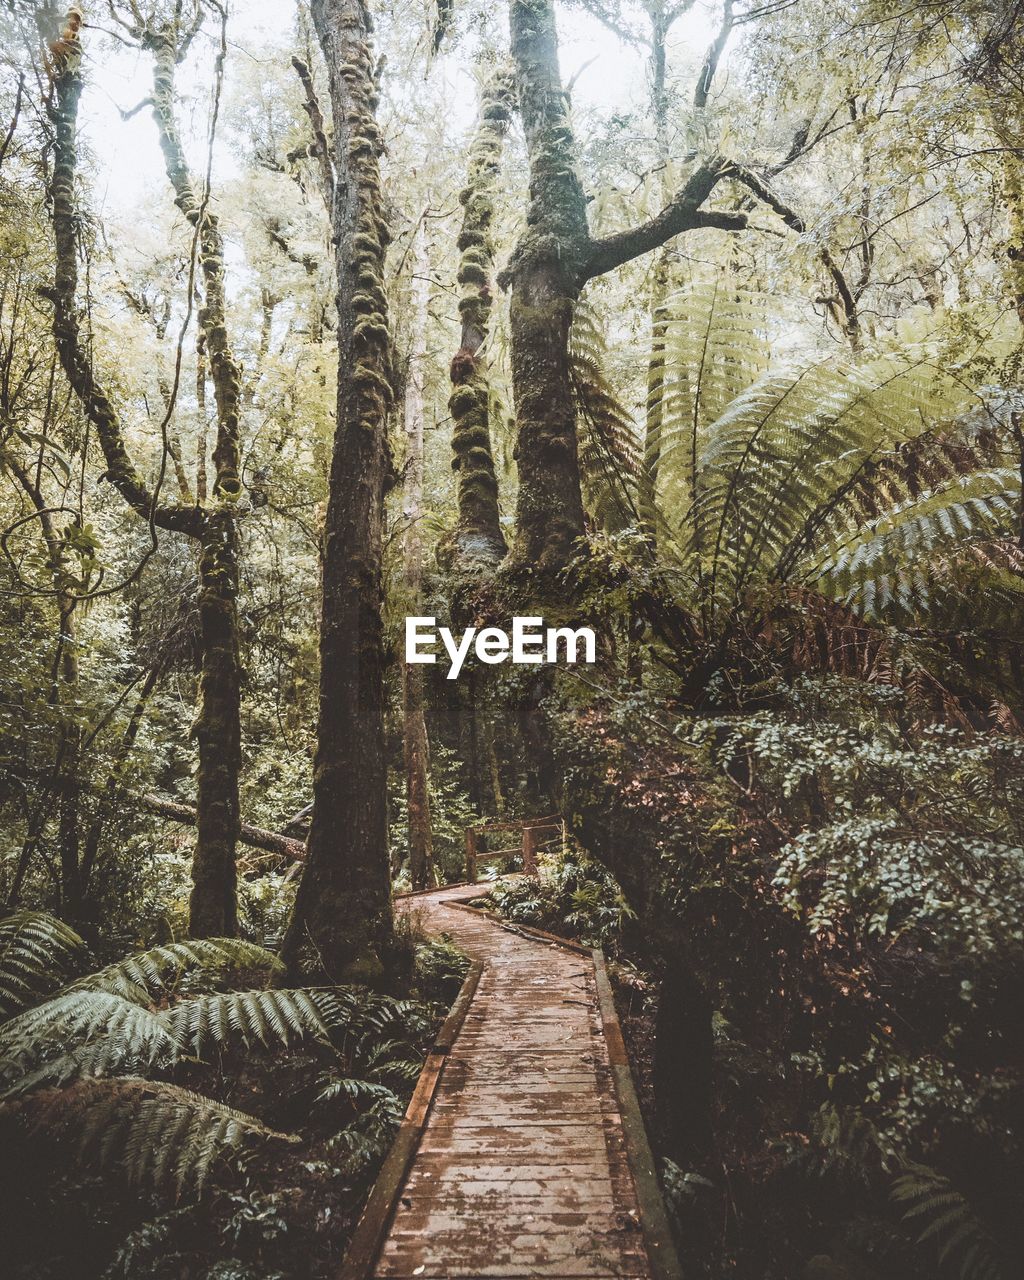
<point>463,400</point>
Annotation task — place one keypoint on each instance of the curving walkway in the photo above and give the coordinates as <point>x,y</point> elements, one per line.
<point>522,1168</point>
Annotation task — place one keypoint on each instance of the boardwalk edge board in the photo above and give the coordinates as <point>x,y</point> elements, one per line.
<point>375,1220</point>
<point>661,1248</point>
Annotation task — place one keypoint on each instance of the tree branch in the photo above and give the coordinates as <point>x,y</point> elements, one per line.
<point>848,317</point>
<point>702,91</point>
<point>682,213</point>
<point>74,358</point>
<point>319,146</point>
<point>255,837</point>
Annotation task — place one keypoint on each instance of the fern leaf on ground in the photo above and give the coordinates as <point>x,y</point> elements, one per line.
<point>943,1221</point>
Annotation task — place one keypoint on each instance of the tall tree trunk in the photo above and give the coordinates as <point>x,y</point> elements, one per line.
<point>417,749</point>
<point>341,926</point>
<point>213,904</point>
<point>545,273</point>
<point>71,886</point>
<point>660,275</point>
<point>479,541</point>
<point>554,259</point>
<point>217,725</point>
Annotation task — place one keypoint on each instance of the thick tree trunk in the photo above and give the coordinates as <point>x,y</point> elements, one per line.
<point>545,273</point>
<point>553,260</point>
<point>417,749</point>
<point>341,927</point>
<point>479,541</point>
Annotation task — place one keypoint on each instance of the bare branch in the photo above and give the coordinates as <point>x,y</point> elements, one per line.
<point>712,58</point>
<point>847,316</point>
<point>682,213</point>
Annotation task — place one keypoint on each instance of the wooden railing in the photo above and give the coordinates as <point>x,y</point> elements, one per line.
<point>530,843</point>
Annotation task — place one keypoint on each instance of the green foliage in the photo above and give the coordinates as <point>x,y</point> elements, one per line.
<point>918,835</point>
<point>945,1225</point>
<point>871,482</point>
<point>36,950</point>
<point>100,1034</point>
<point>610,452</point>
<point>158,1135</point>
<point>574,896</point>
<point>439,969</point>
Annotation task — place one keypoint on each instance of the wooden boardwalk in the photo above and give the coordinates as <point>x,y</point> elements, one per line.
<point>522,1168</point>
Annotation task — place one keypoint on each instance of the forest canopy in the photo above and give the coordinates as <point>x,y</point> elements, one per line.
<point>697,324</point>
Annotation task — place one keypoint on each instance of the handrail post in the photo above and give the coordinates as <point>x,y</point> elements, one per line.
<point>471,854</point>
<point>529,851</point>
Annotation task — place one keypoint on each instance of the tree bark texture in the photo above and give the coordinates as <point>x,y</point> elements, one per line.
<point>341,927</point>
<point>415,741</point>
<point>545,273</point>
<point>213,904</point>
<point>479,541</point>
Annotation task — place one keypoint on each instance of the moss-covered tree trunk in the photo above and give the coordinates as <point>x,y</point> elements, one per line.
<point>341,926</point>
<point>218,720</point>
<point>479,541</point>
<point>554,259</point>
<point>414,724</point>
<point>545,274</point>
<point>213,527</point>
<point>212,909</point>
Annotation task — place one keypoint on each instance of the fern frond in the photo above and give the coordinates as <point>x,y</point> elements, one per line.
<point>36,952</point>
<point>213,1023</point>
<point>164,966</point>
<point>83,1030</point>
<point>941,1218</point>
<point>610,449</point>
<point>157,1135</point>
<point>353,1090</point>
<point>920,549</point>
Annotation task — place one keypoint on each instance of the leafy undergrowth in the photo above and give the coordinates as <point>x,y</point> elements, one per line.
<point>574,897</point>
<point>176,1114</point>
<point>828,1041</point>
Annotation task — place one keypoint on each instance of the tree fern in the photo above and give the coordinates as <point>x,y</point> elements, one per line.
<point>36,953</point>
<point>162,967</point>
<point>98,1033</point>
<point>609,442</point>
<point>943,1222</point>
<point>925,550</point>
<point>157,1135</point>
<point>869,482</point>
<point>212,1023</point>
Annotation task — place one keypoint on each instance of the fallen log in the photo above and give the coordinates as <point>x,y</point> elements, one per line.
<point>255,837</point>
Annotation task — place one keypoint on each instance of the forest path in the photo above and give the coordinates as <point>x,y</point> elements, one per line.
<point>522,1169</point>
